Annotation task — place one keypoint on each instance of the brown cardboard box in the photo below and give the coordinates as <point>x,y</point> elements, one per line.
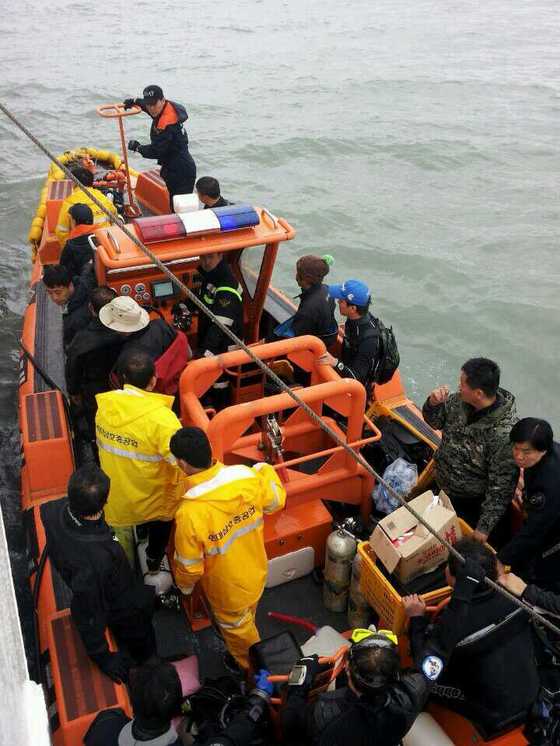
<point>405,547</point>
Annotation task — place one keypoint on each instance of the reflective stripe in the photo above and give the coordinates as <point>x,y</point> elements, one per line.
<point>208,300</point>
<point>133,455</point>
<point>236,535</point>
<point>226,321</point>
<point>99,218</point>
<point>227,289</point>
<point>62,228</point>
<point>276,502</point>
<point>220,385</point>
<point>234,625</point>
<point>227,475</point>
<point>188,562</point>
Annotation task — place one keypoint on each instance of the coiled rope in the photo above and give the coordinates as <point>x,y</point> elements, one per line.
<point>273,377</point>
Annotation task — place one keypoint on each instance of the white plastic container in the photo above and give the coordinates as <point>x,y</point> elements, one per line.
<point>163,580</point>
<point>186,202</point>
<point>290,566</point>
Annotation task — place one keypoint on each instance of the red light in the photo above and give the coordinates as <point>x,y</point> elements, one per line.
<point>160,228</point>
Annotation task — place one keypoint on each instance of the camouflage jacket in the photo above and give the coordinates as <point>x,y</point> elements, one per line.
<point>475,460</point>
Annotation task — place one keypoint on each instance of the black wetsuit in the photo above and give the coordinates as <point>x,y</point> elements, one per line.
<point>488,682</point>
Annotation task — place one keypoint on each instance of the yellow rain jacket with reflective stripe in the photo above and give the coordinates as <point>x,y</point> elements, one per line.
<point>133,429</point>
<point>100,220</point>
<point>219,533</point>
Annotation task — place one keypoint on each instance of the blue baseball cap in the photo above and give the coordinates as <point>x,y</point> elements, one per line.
<point>352,291</point>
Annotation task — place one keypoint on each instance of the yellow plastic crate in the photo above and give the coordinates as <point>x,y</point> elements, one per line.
<point>381,595</point>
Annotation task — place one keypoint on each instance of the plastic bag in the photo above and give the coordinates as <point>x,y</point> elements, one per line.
<point>401,476</point>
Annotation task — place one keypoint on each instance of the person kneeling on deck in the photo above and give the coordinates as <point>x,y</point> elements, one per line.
<point>133,427</point>
<point>208,190</point>
<point>492,676</point>
<point>156,698</point>
<point>105,591</point>
<point>221,293</point>
<point>219,535</point>
<point>100,219</point>
<point>77,251</point>
<point>361,347</point>
<point>72,294</point>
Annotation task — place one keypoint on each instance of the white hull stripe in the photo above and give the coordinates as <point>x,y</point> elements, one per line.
<point>133,455</point>
<point>227,475</point>
<point>236,535</point>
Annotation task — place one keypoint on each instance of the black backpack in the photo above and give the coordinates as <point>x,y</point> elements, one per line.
<point>388,357</point>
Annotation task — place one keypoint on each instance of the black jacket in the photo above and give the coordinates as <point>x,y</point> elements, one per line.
<point>94,566</point>
<point>341,718</point>
<point>220,292</point>
<point>359,350</point>
<point>534,551</point>
<point>315,314</point>
<point>90,358</point>
<point>76,315</point>
<point>170,145</point>
<point>498,680</point>
<point>220,203</point>
<point>154,338</point>
<point>76,253</point>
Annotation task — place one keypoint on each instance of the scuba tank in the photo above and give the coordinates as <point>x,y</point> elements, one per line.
<point>359,611</point>
<point>340,551</point>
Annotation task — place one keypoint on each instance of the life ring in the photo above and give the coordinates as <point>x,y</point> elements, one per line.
<point>110,159</point>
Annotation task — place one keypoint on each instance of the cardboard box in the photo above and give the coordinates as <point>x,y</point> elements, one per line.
<point>405,547</point>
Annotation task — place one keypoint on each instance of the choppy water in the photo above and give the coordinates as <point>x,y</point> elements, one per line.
<point>416,141</point>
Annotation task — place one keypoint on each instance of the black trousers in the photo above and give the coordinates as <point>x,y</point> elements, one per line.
<point>158,538</point>
<point>134,631</point>
<point>180,179</point>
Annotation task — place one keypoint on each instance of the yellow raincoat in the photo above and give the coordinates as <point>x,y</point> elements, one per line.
<point>133,429</point>
<point>219,540</point>
<point>100,220</point>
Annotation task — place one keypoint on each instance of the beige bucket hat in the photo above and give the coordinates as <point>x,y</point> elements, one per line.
<point>123,314</point>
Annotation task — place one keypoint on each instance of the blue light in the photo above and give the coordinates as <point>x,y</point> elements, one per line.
<point>235,217</point>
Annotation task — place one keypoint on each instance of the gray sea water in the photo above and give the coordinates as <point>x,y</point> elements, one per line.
<point>415,140</point>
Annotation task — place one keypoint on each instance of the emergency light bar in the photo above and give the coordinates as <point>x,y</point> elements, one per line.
<point>181,225</point>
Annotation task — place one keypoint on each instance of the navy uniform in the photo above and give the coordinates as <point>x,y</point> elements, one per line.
<point>169,143</point>
<point>534,552</point>
<point>221,293</point>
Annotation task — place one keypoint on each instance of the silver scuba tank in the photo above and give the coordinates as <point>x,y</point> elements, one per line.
<point>359,611</point>
<point>340,551</point>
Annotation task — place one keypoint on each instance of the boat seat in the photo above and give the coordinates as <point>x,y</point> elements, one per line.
<point>76,688</point>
